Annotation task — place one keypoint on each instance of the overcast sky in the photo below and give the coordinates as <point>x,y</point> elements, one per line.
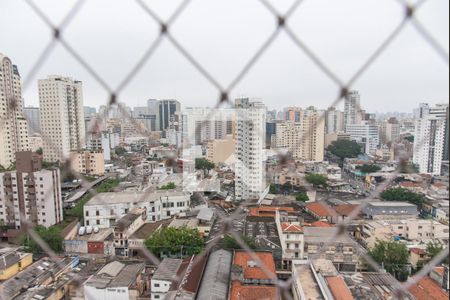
<point>223,35</point>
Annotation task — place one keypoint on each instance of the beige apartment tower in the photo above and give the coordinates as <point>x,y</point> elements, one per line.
<point>13,125</point>
<point>62,117</point>
<point>304,139</point>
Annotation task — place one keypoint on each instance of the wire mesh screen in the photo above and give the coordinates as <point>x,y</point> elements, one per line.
<point>226,222</point>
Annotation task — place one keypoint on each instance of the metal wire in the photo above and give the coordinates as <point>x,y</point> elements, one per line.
<point>281,21</point>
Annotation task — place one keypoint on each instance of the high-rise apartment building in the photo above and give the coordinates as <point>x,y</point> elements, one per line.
<point>334,120</point>
<point>390,131</point>
<point>250,149</point>
<point>13,125</point>
<point>62,117</point>
<point>33,119</point>
<point>305,138</point>
<point>30,193</point>
<point>430,138</point>
<point>293,114</point>
<point>167,110</point>
<point>352,110</point>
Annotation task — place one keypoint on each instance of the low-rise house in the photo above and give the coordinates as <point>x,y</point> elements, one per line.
<point>99,243</point>
<point>416,230</point>
<point>137,240</point>
<point>125,227</point>
<point>333,214</point>
<point>13,262</point>
<point>291,240</point>
<point>253,279</point>
<point>177,279</point>
<point>325,242</point>
<point>417,256</point>
<point>385,210</point>
<point>105,209</point>
<point>42,273</point>
<point>116,280</point>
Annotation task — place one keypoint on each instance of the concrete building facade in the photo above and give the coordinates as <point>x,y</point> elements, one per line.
<point>13,127</point>
<point>62,116</point>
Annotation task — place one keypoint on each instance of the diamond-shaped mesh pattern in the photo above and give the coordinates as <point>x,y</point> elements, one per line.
<point>223,91</point>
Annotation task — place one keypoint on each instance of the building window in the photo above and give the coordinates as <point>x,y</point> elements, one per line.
<point>97,213</point>
<point>87,214</point>
<point>98,222</point>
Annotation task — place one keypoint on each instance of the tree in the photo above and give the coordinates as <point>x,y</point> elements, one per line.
<point>175,242</point>
<point>169,186</point>
<point>345,149</point>
<point>302,196</point>
<point>120,151</point>
<point>316,179</point>
<point>393,256</point>
<point>230,242</point>
<point>401,194</point>
<point>433,249</point>
<point>203,164</point>
<point>369,168</point>
<point>51,236</point>
<point>273,189</point>
<point>39,151</point>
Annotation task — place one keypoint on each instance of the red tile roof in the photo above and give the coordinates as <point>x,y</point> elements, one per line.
<point>439,270</point>
<point>417,251</point>
<point>338,288</point>
<point>428,289</point>
<point>320,209</point>
<point>253,292</point>
<point>267,271</point>
<point>268,211</point>
<point>407,184</point>
<point>345,209</point>
<point>319,224</point>
<point>288,227</point>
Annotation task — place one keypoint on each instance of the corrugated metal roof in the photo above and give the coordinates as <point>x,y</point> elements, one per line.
<point>214,285</point>
<point>205,214</point>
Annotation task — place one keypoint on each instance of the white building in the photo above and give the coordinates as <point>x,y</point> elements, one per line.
<point>334,120</point>
<point>390,131</point>
<point>62,116</point>
<point>105,209</point>
<point>352,108</point>
<point>429,139</point>
<point>100,141</point>
<point>36,195</point>
<point>305,138</point>
<point>116,281</point>
<point>365,134</point>
<point>13,126</point>
<point>250,152</point>
<point>201,125</point>
<point>32,116</point>
<point>291,240</point>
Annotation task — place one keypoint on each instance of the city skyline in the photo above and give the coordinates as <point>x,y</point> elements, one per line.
<point>409,81</point>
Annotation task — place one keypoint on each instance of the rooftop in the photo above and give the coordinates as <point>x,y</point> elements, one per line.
<point>427,288</point>
<point>253,292</point>
<point>320,209</point>
<point>100,236</point>
<point>268,211</point>
<point>116,274</point>
<point>134,197</point>
<point>338,288</point>
<point>252,268</point>
<point>167,269</point>
<point>216,277</point>
<point>390,204</point>
<point>148,229</point>
<point>326,235</point>
<point>289,227</point>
